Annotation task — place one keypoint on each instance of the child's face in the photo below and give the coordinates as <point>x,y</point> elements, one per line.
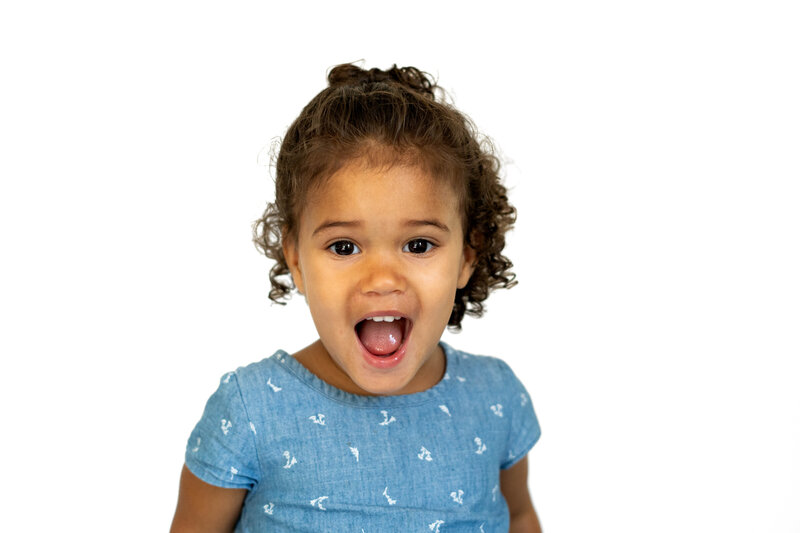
<point>381,243</point>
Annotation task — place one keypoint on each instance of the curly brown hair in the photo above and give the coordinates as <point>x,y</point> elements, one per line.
<point>386,118</point>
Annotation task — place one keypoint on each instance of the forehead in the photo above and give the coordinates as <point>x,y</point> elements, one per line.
<point>361,192</point>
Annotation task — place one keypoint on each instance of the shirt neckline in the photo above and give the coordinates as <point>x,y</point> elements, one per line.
<point>341,396</point>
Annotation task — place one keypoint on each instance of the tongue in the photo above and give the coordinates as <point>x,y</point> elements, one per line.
<point>381,338</point>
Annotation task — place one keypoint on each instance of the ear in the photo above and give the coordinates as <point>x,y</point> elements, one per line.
<point>467,266</point>
<point>292,257</point>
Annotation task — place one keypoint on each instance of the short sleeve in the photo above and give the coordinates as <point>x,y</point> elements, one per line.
<point>221,449</point>
<point>524,431</point>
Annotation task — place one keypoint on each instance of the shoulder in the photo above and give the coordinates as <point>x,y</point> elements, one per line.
<point>246,386</point>
<point>487,370</point>
<point>256,373</point>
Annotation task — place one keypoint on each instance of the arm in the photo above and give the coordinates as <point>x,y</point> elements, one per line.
<point>204,508</point>
<point>514,486</point>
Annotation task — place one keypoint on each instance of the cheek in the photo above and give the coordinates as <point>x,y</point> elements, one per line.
<point>438,285</point>
<point>329,320</point>
<point>327,299</point>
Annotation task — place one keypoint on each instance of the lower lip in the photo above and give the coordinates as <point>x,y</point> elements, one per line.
<point>386,361</point>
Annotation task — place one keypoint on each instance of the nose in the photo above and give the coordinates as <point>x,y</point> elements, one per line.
<point>382,275</point>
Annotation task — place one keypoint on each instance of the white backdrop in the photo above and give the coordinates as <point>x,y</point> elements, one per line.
<point>652,152</point>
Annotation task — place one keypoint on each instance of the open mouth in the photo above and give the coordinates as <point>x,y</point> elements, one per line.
<point>383,336</point>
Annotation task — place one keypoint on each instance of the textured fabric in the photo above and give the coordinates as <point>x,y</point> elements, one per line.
<point>315,458</point>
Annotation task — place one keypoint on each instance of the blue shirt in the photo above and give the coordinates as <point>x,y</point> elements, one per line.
<point>315,458</point>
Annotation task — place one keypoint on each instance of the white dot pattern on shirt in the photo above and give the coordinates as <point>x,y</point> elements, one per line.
<point>424,454</point>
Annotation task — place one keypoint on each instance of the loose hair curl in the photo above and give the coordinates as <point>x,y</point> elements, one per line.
<point>385,118</point>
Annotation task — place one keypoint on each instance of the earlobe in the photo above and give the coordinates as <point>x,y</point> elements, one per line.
<point>293,262</point>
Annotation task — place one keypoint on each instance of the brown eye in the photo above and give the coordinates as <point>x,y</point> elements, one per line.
<point>418,246</point>
<point>344,248</point>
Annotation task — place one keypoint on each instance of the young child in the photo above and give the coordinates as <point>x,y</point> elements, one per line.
<point>389,219</point>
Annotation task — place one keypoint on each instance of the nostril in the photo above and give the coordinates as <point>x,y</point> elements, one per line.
<point>383,284</point>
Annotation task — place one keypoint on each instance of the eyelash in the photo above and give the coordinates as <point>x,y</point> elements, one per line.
<point>429,246</point>
<point>333,246</point>
<point>426,241</point>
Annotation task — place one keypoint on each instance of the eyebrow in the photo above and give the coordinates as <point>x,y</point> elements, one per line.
<point>428,222</point>
<point>358,223</point>
<point>337,224</point>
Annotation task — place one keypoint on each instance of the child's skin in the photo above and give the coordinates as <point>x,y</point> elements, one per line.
<point>370,240</point>
<point>350,261</point>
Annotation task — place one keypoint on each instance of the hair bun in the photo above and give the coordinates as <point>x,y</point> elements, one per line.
<point>410,77</point>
